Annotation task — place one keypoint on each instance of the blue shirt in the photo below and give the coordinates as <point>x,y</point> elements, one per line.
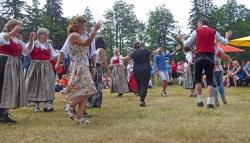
<point>160,61</point>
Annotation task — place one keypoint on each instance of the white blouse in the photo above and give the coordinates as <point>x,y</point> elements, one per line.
<point>3,42</point>
<point>37,44</point>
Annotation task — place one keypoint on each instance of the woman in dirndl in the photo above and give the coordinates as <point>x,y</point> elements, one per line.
<point>40,78</point>
<point>119,82</point>
<point>12,91</point>
<point>188,75</point>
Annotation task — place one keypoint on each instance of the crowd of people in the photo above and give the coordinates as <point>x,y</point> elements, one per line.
<point>81,79</point>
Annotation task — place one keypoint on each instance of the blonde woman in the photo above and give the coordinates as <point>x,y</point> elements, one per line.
<point>12,93</point>
<point>119,82</point>
<point>80,86</point>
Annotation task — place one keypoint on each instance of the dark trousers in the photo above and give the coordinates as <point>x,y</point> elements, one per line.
<point>2,111</point>
<point>204,61</point>
<point>142,79</point>
<point>96,100</point>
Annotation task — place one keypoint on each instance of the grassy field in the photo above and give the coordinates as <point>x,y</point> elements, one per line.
<point>172,119</point>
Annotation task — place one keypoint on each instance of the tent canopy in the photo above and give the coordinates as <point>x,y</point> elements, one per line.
<point>244,42</point>
<point>229,49</point>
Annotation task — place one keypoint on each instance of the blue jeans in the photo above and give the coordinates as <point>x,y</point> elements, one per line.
<point>218,85</point>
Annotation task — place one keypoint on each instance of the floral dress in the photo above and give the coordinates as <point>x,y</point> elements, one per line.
<point>80,82</point>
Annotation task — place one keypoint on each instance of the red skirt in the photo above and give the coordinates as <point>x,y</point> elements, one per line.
<point>132,83</point>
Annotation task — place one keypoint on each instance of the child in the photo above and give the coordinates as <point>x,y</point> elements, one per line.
<point>106,80</point>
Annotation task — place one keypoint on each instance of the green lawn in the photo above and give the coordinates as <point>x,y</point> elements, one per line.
<point>172,119</point>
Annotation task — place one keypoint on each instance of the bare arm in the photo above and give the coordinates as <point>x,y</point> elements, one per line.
<point>225,57</point>
<point>59,59</point>
<point>15,30</point>
<point>154,52</point>
<point>32,37</point>
<point>104,60</point>
<point>237,70</point>
<point>75,37</point>
<point>177,49</point>
<point>127,58</point>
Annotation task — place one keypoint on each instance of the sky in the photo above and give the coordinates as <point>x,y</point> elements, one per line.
<point>179,8</point>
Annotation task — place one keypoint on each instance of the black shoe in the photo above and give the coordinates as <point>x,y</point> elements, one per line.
<point>142,104</point>
<point>200,104</point>
<point>224,101</point>
<point>48,109</point>
<point>86,115</point>
<point>7,118</point>
<point>119,95</point>
<point>96,106</point>
<point>210,105</point>
<point>217,104</point>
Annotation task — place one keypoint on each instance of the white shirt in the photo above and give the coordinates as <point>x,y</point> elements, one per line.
<point>217,59</point>
<point>45,46</point>
<point>192,38</point>
<point>66,47</point>
<point>189,57</point>
<point>97,57</point>
<point>3,42</point>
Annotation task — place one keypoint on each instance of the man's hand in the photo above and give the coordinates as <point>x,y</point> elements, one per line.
<point>228,34</point>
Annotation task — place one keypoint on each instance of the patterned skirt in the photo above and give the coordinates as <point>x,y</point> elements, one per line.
<point>12,91</point>
<point>119,82</point>
<point>40,81</point>
<point>188,78</point>
<point>80,82</point>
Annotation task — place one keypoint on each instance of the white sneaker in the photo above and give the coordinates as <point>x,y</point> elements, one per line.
<point>71,115</point>
<point>164,94</point>
<point>37,110</point>
<point>82,120</point>
<point>66,108</point>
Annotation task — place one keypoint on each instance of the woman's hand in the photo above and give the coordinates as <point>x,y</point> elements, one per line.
<point>98,25</point>
<point>17,29</point>
<point>32,36</point>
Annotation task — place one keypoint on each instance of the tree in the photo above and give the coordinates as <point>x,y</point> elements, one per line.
<point>120,27</point>
<point>201,9</point>
<point>233,17</point>
<point>89,17</point>
<point>53,20</point>
<point>32,21</point>
<point>53,9</point>
<point>13,9</point>
<point>161,27</point>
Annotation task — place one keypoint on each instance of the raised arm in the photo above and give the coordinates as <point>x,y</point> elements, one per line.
<point>225,57</point>
<point>75,37</point>
<point>15,30</point>
<point>126,58</point>
<point>104,60</point>
<point>179,47</point>
<point>189,41</point>
<point>223,40</point>
<point>32,37</point>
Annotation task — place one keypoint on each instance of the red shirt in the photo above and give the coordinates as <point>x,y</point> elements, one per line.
<point>174,68</point>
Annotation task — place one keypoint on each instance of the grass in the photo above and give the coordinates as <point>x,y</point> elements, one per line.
<point>173,119</point>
